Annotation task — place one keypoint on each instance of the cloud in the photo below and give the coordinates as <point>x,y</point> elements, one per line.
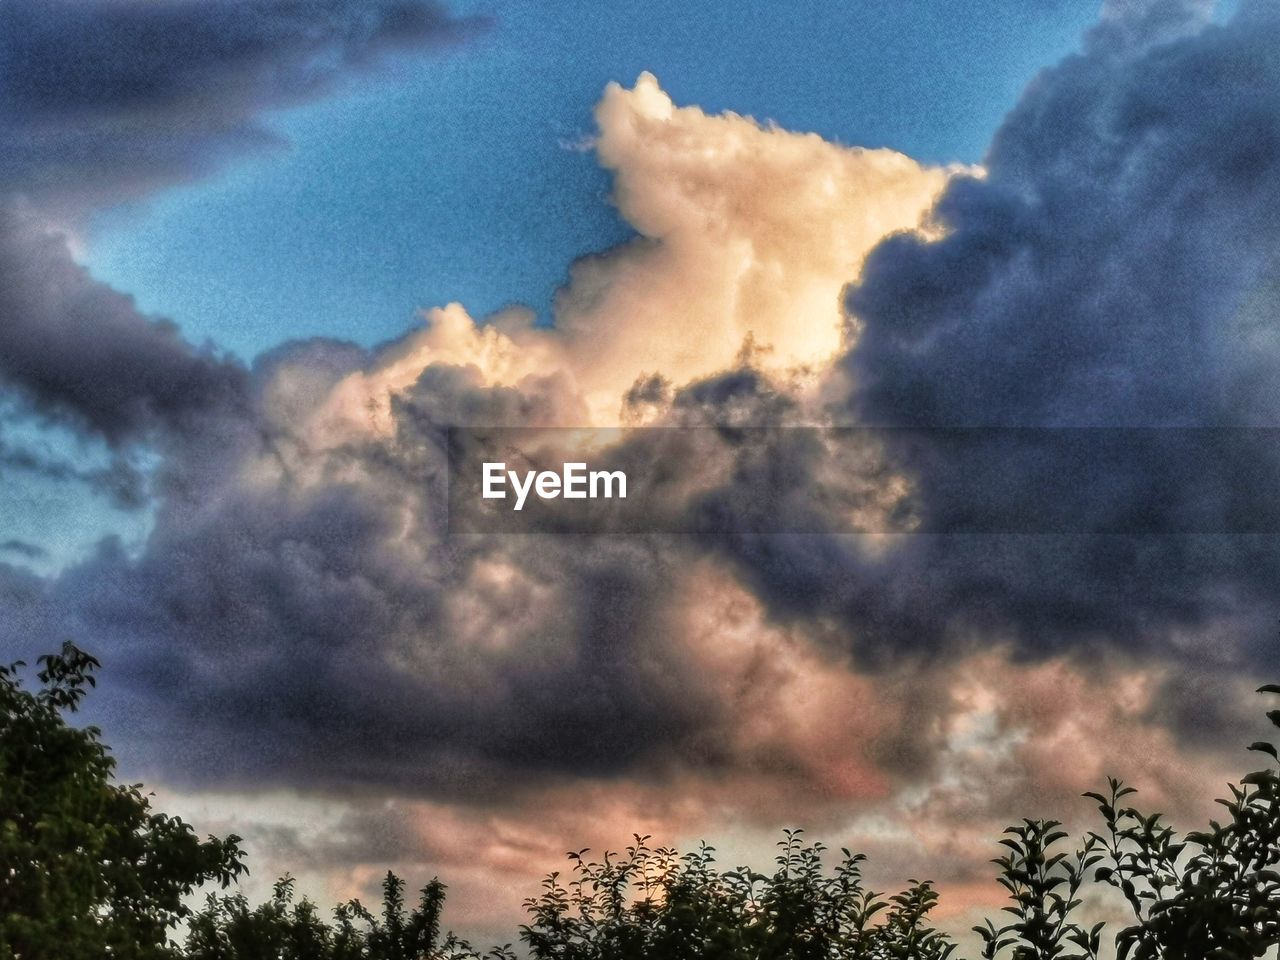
<point>103,101</point>
<point>1004,739</point>
<point>301,617</point>
<point>748,234</point>
<point>21,548</point>
<point>298,613</point>
<point>120,481</point>
<point>1111,268</point>
<point>80,351</point>
<point>1115,265</point>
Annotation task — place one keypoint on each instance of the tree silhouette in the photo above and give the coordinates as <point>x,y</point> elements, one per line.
<point>285,928</point>
<point>1209,894</point>
<point>651,903</point>
<point>87,869</point>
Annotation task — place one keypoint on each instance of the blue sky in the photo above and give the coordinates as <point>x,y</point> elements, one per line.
<point>453,182</point>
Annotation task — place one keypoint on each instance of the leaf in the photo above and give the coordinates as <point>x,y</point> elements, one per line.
<point>1261,746</point>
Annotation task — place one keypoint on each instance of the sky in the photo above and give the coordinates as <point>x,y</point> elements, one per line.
<point>258,259</point>
<point>464,175</point>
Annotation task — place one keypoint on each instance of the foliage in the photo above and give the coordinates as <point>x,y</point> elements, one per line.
<point>1043,883</point>
<point>87,869</point>
<point>287,929</point>
<point>648,903</point>
<point>1209,894</point>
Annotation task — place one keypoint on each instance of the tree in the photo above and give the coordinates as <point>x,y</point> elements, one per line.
<point>287,929</point>
<point>647,904</point>
<point>1208,895</point>
<point>87,869</point>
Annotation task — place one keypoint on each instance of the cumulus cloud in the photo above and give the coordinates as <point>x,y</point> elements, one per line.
<point>747,234</point>
<point>1070,288</point>
<point>307,604</point>
<point>299,586</point>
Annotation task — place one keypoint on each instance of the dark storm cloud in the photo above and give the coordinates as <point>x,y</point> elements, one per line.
<point>295,616</point>
<point>316,628</point>
<point>1118,264</point>
<point>77,349</point>
<point>293,643</point>
<point>104,99</point>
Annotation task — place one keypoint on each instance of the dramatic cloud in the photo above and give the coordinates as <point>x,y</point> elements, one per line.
<point>102,101</point>
<point>300,597</point>
<point>747,236</point>
<point>300,620</point>
<point>1115,266</point>
<point>80,350</point>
